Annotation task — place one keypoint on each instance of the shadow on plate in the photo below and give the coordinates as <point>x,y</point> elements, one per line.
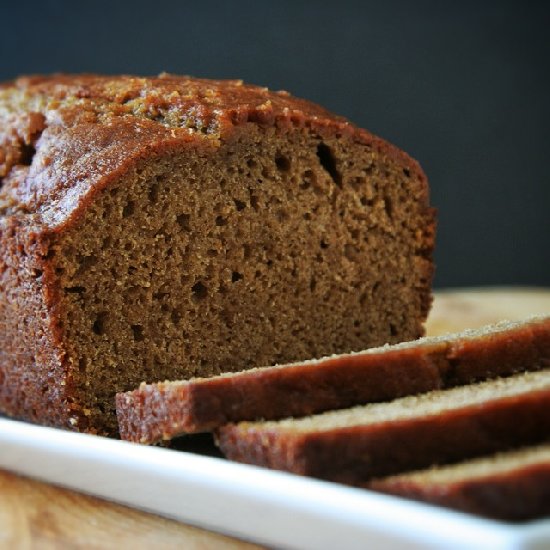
<point>202,444</point>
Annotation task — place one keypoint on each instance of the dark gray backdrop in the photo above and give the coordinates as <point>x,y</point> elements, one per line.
<point>463,87</point>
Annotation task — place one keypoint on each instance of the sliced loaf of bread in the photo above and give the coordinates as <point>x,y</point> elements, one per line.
<point>169,227</point>
<point>512,486</point>
<point>354,445</point>
<point>162,411</point>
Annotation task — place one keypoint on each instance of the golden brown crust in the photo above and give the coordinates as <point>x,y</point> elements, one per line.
<point>33,374</point>
<point>62,137</point>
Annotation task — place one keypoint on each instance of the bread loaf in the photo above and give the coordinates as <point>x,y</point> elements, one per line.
<point>354,445</point>
<point>164,228</point>
<point>167,409</point>
<point>513,486</point>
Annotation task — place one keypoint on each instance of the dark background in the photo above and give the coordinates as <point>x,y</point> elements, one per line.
<point>463,87</point>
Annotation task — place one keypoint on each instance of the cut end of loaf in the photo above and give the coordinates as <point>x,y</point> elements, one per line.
<point>275,247</point>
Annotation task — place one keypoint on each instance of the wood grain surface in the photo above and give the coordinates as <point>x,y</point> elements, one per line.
<point>38,515</point>
<point>458,309</point>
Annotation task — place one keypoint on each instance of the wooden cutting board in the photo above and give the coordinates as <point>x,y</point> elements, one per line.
<point>39,515</point>
<point>455,310</point>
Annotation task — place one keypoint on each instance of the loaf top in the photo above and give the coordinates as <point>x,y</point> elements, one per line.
<point>63,137</point>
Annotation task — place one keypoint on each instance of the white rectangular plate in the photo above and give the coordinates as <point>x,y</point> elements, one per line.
<point>272,508</point>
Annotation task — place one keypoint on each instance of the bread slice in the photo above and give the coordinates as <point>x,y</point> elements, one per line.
<point>171,227</point>
<point>164,410</point>
<point>513,486</point>
<point>356,444</point>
